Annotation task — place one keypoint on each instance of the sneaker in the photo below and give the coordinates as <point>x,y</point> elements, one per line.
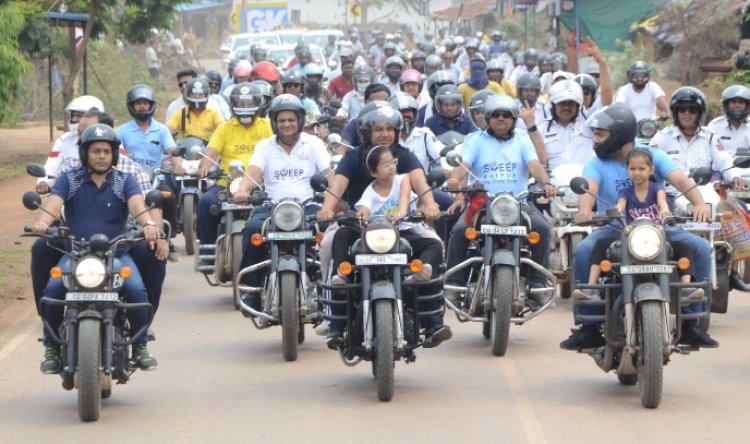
<point>436,335</point>
<point>424,274</point>
<point>586,294</point>
<point>689,296</point>
<point>587,336</point>
<point>51,364</point>
<point>322,329</point>
<point>143,359</point>
<point>174,254</point>
<point>693,335</point>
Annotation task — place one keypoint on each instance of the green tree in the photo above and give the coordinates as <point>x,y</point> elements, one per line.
<point>12,63</point>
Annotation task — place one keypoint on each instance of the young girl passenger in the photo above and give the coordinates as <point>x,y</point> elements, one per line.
<point>643,199</point>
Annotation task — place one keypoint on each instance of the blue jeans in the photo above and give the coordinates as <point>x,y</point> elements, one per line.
<point>700,247</point>
<point>251,254</point>
<point>133,291</point>
<point>208,224</point>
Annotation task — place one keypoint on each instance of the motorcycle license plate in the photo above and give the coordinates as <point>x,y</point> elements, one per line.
<point>701,226</point>
<point>740,194</point>
<point>92,297</point>
<point>230,206</point>
<point>380,259</point>
<point>181,178</point>
<point>289,235</point>
<point>644,269</point>
<point>507,231</point>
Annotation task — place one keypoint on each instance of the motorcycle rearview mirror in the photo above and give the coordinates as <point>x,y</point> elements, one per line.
<point>579,185</point>
<point>447,150</point>
<point>451,138</point>
<point>436,178</point>
<point>702,176</point>
<point>454,159</point>
<point>32,200</point>
<point>319,183</point>
<point>742,162</point>
<point>179,151</point>
<point>154,199</point>
<point>36,170</point>
<point>333,139</point>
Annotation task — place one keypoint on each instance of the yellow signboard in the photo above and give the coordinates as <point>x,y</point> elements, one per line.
<point>355,10</point>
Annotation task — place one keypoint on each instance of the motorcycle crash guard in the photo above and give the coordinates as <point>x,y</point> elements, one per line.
<point>649,292</point>
<point>504,258</point>
<point>383,290</point>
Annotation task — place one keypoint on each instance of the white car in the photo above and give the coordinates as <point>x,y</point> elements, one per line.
<point>283,53</point>
<point>246,40</point>
<point>290,35</point>
<point>320,37</point>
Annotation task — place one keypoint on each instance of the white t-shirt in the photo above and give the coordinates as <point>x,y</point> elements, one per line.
<point>643,104</point>
<point>288,175</point>
<point>385,206</point>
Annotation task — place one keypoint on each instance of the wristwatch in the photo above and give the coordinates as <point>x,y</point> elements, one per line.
<point>150,222</point>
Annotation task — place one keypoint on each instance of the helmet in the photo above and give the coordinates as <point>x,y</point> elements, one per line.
<point>687,95</point>
<point>312,69</point>
<point>494,65</point>
<point>375,104</point>
<point>141,92</point>
<point>438,79</point>
<point>363,71</point>
<point>299,46</point>
<point>267,71</point>
<point>500,103</point>
<point>98,132</point>
<point>243,69</point>
<point>528,81</point>
<point>410,76</point>
<point>213,74</point>
<point>82,104</point>
<point>433,61</point>
<point>449,44</point>
<point>196,93</point>
<point>565,90</point>
<point>544,59</point>
<point>402,101</point>
<point>428,47</point>
<point>246,101</point>
<point>620,121</point>
<point>395,60</point>
<point>479,35</point>
<point>588,83</point>
<point>640,67</point>
<point>380,115</point>
<point>477,103</point>
<point>531,54</point>
<point>512,44</point>
<point>447,94</point>
<point>258,53</point>
<point>286,102</point>
<point>389,46</point>
<point>266,91</point>
<point>736,92</point>
<point>592,69</point>
<point>472,43</point>
<point>293,75</point>
<point>496,34</point>
<point>459,40</point>
<point>418,55</point>
<point>304,52</point>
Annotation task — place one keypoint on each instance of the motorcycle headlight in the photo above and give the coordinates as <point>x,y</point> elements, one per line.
<point>288,216</point>
<point>647,128</point>
<point>90,272</point>
<point>380,236</point>
<point>505,210</point>
<point>645,242</point>
<point>570,198</point>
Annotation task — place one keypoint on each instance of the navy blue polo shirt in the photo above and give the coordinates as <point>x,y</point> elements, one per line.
<point>439,124</point>
<point>90,209</point>
<point>351,133</point>
<point>352,166</point>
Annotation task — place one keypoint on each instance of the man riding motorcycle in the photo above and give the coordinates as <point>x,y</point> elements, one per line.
<point>732,129</point>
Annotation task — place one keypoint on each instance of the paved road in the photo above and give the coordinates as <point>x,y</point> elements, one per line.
<point>220,380</point>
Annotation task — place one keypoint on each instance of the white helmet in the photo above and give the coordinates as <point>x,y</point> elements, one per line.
<point>84,103</point>
<point>459,40</point>
<point>566,90</point>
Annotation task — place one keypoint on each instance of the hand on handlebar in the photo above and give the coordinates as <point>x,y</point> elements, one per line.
<point>42,188</point>
<point>550,189</point>
<point>324,215</point>
<point>584,216</point>
<point>40,227</point>
<point>739,183</point>
<point>701,213</point>
<point>241,196</point>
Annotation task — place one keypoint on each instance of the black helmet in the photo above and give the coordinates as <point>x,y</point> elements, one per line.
<point>267,91</point>
<point>418,55</point>
<point>428,48</point>
<point>438,79</point>
<point>687,96</point>
<point>98,132</point>
<point>446,94</point>
<point>213,74</point>
<point>196,93</point>
<point>544,59</point>
<point>304,52</point>
<point>450,45</point>
<point>620,121</point>
<point>588,83</point>
<point>531,54</point>
<point>559,61</point>
<point>245,100</point>
<point>287,102</point>
<point>531,82</point>
<point>640,67</point>
<point>736,92</point>
<point>477,103</point>
<point>380,115</point>
<point>433,61</point>
<point>293,75</point>
<point>141,92</point>
<point>299,46</point>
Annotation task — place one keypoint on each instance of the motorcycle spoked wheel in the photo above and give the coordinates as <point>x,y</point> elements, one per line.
<point>188,223</point>
<point>89,361</point>
<point>236,255</point>
<point>503,288</point>
<point>566,288</point>
<point>384,362</point>
<point>289,315</point>
<point>650,363</point>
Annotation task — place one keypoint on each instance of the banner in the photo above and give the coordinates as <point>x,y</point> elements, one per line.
<point>259,17</point>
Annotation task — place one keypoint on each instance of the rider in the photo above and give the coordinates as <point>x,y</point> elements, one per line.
<point>567,139</point>
<point>293,82</point>
<point>530,58</point>
<point>478,81</point>
<point>234,139</point>
<point>197,119</point>
<point>394,67</point>
<point>354,100</point>
<point>411,83</point>
<point>266,71</point>
<point>214,85</point>
<point>450,115</point>
<point>87,193</point>
<point>285,162</point>
<point>435,81</point>
<point>732,128</point>
<point>529,93</point>
<point>340,85</point>
<point>495,74</point>
<point>614,134</point>
<point>375,95</point>
<point>502,158</point>
<point>641,95</point>
<point>313,88</point>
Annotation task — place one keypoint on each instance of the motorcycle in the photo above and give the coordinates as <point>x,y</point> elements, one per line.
<point>743,267</point>
<point>383,305</point>
<point>640,288</point>
<point>647,128</point>
<point>95,334</point>
<point>290,294</point>
<point>190,187</point>
<point>496,292</point>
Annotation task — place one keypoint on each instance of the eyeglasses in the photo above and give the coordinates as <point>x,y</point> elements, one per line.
<point>688,109</point>
<point>501,114</point>
<point>392,162</point>
<point>293,85</point>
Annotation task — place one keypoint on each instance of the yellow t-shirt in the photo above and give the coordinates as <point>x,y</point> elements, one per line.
<point>235,142</point>
<point>468,92</point>
<point>202,125</point>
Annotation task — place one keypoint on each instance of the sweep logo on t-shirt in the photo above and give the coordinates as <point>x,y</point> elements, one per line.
<point>288,174</point>
<point>500,172</point>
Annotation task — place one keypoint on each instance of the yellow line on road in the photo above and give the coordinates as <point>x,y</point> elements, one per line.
<point>531,426</point>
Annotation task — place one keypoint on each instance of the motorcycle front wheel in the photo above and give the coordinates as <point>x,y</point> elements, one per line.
<point>289,315</point>
<point>651,352</point>
<point>89,361</point>
<point>385,337</point>
<point>503,288</point>
<point>566,288</point>
<point>188,223</point>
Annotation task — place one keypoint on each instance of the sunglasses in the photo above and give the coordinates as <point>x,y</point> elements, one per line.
<point>501,114</point>
<point>688,109</point>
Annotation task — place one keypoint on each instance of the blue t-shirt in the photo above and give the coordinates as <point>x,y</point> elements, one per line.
<point>439,124</point>
<point>635,208</point>
<point>500,166</point>
<point>350,132</point>
<point>612,175</point>
<point>147,148</point>
<point>90,209</point>
<point>352,166</point>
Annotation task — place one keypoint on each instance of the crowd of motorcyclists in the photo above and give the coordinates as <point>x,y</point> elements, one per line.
<point>518,114</point>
